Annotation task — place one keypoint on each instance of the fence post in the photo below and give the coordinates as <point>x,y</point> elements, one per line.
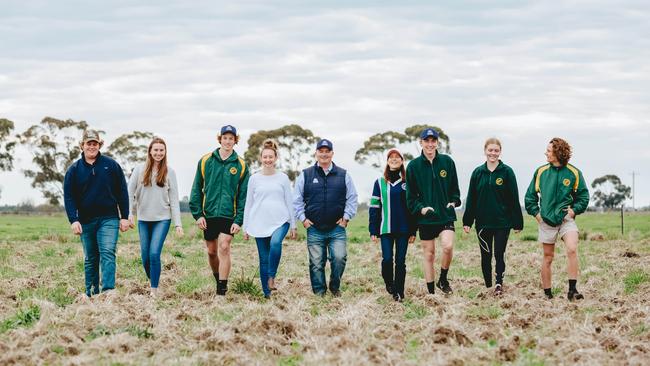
<point>622,225</point>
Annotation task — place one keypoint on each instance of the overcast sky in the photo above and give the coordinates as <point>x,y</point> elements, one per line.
<point>524,72</point>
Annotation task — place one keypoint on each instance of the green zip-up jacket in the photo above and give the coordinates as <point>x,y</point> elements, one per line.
<point>219,188</point>
<point>553,190</point>
<point>493,199</point>
<point>432,184</point>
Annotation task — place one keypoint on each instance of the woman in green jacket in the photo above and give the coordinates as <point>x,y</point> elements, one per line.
<point>556,195</point>
<point>493,202</point>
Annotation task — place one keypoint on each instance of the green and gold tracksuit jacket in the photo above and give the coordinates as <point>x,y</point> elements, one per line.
<point>553,190</point>
<point>493,199</point>
<point>432,184</point>
<point>219,188</point>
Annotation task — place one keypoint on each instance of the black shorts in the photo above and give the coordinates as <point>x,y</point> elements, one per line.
<point>217,225</point>
<point>430,232</point>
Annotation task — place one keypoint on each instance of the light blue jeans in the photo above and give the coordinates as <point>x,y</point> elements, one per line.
<point>324,245</point>
<point>99,241</point>
<point>270,252</point>
<point>152,237</point>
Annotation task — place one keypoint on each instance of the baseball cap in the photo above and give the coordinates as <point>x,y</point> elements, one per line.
<point>325,143</point>
<point>90,135</point>
<point>228,129</point>
<point>394,150</point>
<point>428,132</point>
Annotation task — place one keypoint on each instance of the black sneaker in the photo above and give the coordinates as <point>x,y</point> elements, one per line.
<point>549,295</point>
<point>444,286</point>
<point>574,295</point>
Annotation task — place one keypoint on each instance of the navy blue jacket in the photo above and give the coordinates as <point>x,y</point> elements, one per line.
<point>95,190</point>
<point>387,211</point>
<point>324,196</point>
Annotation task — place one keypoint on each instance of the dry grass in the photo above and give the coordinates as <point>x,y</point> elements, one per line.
<point>187,324</point>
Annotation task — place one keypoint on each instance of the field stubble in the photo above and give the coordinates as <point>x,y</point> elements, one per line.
<point>46,318</point>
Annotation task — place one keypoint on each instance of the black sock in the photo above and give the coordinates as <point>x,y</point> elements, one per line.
<point>222,287</point>
<point>572,285</point>
<point>548,293</point>
<point>216,276</point>
<point>431,287</point>
<point>443,275</point>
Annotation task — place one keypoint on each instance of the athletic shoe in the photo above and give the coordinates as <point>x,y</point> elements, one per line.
<point>574,295</point>
<point>446,289</point>
<point>498,290</point>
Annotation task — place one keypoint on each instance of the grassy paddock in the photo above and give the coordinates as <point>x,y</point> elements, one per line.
<point>44,317</point>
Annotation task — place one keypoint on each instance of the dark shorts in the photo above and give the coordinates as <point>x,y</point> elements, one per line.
<point>430,232</point>
<point>217,225</point>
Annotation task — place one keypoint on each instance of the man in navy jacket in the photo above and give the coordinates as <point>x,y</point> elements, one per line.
<point>325,200</point>
<point>97,204</point>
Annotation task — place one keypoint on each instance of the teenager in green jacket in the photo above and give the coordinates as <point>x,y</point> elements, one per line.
<point>555,196</point>
<point>493,202</point>
<point>217,202</point>
<point>431,195</point>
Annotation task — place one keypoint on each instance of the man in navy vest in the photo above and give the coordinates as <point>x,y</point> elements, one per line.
<point>325,200</point>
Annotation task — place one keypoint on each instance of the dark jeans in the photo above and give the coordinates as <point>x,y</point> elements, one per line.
<point>152,237</point>
<point>493,242</point>
<point>99,240</point>
<point>270,252</point>
<point>324,245</point>
<point>400,242</point>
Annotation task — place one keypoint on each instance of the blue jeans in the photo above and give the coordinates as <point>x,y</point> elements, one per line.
<point>99,240</point>
<point>401,242</point>
<point>152,237</point>
<point>323,245</point>
<point>270,252</point>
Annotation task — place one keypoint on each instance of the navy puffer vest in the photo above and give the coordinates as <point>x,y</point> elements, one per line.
<point>324,196</point>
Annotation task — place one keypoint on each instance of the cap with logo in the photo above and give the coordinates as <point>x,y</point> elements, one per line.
<point>325,143</point>
<point>90,135</point>
<point>228,129</point>
<point>428,132</point>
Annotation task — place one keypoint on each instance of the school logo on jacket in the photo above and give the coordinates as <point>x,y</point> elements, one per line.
<point>499,181</point>
<point>233,170</point>
<point>566,182</point>
<point>404,186</point>
<point>443,173</point>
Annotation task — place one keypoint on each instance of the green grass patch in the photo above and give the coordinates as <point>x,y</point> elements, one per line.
<point>247,286</point>
<point>190,284</point>
<point>485,312</point>
<point>634,279</point>
<point>414,310</point>
<point>23,318</point>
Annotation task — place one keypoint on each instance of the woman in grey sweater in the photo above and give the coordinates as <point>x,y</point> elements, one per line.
<point>153,198</point>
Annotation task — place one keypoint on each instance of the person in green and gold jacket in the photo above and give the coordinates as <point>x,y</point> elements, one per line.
<point>217,202</point>
<point>556,195</point>
<point>431,195</point>
<point>493,202</point>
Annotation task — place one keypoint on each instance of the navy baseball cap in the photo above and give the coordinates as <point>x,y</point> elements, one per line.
<point>428,132</point>
<point>325,143</point>
<point>228,129</point>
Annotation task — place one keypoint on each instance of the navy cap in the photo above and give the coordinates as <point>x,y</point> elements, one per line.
<point>325,143</point>
<point>428,132</point>
<point>228,129</point>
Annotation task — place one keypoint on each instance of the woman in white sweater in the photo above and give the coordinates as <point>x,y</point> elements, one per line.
<point>153,198</point>
<point>268,214</point>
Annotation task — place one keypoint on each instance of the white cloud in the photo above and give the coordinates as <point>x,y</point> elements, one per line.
<point>523,72</point>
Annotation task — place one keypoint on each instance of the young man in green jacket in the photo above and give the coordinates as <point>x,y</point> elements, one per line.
<point>555,196</point>
<point>431,195</point>
<point>217,202</point>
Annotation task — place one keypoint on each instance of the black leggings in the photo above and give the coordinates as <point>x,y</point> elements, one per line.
<point>493,241</point>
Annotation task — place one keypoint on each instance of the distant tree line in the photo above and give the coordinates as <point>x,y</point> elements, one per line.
<point>54,146</point>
